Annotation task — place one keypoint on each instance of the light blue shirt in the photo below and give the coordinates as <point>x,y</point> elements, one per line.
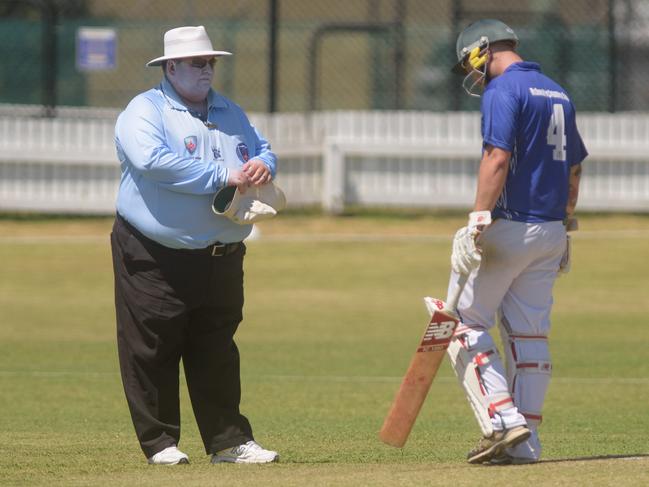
<point>173,163</point>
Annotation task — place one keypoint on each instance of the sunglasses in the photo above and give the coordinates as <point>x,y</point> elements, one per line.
<point>200,63</point>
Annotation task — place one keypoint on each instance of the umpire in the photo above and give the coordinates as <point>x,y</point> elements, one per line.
<point>178,266</point>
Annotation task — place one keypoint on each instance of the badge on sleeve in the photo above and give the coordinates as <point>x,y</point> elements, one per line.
<point>242,152</point>
<point>190,143</point>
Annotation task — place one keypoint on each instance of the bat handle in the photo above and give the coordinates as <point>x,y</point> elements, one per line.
<point>454,295</point>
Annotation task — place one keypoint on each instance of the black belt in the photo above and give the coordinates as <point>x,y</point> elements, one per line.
<point>217,249</point>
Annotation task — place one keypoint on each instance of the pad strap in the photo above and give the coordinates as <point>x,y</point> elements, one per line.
<point>533,420</point>
<point>462,328</point>
<point>499,403</point>
<point>540,367</point>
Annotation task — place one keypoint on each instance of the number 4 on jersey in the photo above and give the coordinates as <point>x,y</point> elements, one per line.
<point>557,133</point>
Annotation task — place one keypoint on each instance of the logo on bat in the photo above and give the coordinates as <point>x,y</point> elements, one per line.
<point>438,335</point>
<point>439,304</point>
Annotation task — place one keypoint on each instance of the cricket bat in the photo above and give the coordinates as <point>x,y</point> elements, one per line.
<point>423,367</point>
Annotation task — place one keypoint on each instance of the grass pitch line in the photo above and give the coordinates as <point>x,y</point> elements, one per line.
<point>391,379</point>
<point>318,378</point>
<point>322,237</point>
<point>54,239</point>
<point>281,238</point>
<point>56,373</point>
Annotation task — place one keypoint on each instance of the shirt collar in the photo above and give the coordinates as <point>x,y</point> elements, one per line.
<point>524,66</point>
<point>214,100</point>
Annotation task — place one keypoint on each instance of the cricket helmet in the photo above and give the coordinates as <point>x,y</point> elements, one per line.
<point>480,34</point>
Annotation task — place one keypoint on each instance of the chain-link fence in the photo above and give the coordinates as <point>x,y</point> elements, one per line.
<point>300,55</point>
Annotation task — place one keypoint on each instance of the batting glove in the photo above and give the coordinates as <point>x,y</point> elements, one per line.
<point>564,265</point>
<point>572,225</point>
<point>467,255</point>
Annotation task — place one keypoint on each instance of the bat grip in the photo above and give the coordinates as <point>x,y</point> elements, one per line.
<point>454,295</point>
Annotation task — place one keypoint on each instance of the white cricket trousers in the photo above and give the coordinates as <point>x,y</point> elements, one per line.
<point>514,282</point>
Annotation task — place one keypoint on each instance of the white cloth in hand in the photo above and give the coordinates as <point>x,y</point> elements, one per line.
<point>256,204</point>
<point>466,255</point>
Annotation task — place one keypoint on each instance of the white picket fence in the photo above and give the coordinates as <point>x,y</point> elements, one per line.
<point>67,164</point>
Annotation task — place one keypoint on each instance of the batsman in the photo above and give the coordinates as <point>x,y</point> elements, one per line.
<point>515,243</point>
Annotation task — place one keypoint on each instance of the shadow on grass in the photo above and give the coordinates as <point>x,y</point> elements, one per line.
<point>631,456</point>
<point>597,457</point>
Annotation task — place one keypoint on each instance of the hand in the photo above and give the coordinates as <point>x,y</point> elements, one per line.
<point>240,179</point>
<point>571,223</point>
<point>257,171</point>
<point>467,254</point>
<point>564,264</point>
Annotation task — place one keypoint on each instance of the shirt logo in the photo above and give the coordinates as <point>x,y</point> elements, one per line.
<point>190,143</point>
<point>242,152</point>
<point>217,153</point>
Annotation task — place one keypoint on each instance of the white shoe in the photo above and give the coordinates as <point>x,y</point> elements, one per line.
<point>169,456</point>
<point>250,452</point>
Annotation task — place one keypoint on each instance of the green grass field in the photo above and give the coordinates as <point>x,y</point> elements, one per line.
<point>333,313</point>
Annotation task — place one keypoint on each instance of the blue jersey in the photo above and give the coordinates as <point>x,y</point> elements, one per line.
<point>526,113</point>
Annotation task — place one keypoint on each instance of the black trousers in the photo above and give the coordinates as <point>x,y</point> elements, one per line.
<point>171,305</point>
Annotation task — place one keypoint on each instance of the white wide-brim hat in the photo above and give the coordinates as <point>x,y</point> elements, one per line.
<point>184,42</point>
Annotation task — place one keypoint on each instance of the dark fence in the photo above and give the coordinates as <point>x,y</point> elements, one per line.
<point>301,55</point>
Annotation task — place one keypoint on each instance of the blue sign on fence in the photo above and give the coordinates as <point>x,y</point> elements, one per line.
<point>96,48</point>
